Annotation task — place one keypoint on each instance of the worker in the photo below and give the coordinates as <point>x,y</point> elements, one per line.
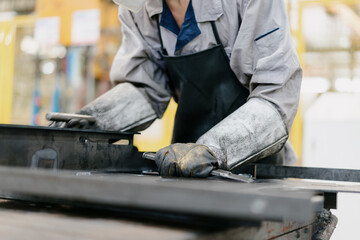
<point>229,64</point>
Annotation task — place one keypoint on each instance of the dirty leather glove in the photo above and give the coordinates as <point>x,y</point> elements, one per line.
<point>66,120</point>
<point>185,160</point>
<point>75,124</point>
<point>122,108</point>
<point>81,124</point>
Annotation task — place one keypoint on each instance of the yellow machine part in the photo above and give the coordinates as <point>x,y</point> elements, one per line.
<point>109,39</point>
<point>7,50</point>
<point>159,134</point>
<point>64,10</point>
<point>7,39</point>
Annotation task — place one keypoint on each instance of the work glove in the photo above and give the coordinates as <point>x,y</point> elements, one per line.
<point>185,160</point>
<point>65,120</point>
<point>124,108</point>
<point>81,124</point>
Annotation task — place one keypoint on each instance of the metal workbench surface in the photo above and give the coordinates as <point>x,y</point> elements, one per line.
<point>204,198</point>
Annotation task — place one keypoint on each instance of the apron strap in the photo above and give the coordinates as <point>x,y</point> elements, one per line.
<point>216,33</point>
<point>164,52</point>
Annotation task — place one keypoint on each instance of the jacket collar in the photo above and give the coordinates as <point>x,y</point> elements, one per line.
<point>205,10</point>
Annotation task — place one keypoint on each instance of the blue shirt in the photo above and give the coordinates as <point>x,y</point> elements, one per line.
<point>189,29</point>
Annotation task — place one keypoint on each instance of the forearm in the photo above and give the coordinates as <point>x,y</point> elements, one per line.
<point>254,131</point>
<point>122,108</point>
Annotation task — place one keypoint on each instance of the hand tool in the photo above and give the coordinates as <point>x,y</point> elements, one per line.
<point>67,120</point>
<point>65,117</point>
<point>216,172</point>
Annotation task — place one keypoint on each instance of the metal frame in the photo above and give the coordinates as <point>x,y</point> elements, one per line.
<point>89,154</point>
<point>72,149</point>
<point>330,174</point>
<point>203,198</point>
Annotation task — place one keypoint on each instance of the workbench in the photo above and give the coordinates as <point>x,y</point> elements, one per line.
<point>84,184</point>
<point>80,205</point>
<point>21,220</point>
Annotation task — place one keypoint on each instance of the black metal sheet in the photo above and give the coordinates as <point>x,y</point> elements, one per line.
<point>73,149</point>
<point>329,174</point>
<point>319,186</point>
<point>207,198</point>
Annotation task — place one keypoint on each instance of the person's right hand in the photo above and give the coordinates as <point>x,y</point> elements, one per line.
<point>186,160</point>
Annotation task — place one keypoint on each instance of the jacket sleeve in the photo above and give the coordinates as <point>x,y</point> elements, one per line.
<point>135,63</point>
<point>140,95</point>
<point>265,61</point>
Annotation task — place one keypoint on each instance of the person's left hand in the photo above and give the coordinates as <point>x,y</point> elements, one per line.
<point>186,160</point>
<point>68,120</point>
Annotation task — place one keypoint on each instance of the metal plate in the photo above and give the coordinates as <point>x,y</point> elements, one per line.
<point>56,148</point>
<point>329,174</point>
<point>210,198</point>
<point>319,186</point>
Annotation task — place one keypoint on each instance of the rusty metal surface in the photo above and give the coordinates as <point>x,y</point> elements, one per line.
<point>267,231</point>
<point>321,227</point>
<point>325,225</point>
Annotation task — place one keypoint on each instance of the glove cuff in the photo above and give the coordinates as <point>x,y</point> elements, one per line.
<point>254,131</point>
<point>220,156</point>
<point>121,109</point>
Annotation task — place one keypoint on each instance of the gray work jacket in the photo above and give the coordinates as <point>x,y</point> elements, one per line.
<point>256,37</point>
<point>265,64</point>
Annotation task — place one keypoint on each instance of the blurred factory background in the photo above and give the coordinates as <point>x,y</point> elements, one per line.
<point>55,56</point>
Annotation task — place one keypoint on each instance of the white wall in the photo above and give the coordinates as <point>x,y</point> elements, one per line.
<point>332,139</point>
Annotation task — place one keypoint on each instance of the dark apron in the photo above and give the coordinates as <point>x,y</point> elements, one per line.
<point>205,88</point>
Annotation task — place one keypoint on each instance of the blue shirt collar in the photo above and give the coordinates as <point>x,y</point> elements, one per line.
<point>189,29</point>
<point>167,19</point>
